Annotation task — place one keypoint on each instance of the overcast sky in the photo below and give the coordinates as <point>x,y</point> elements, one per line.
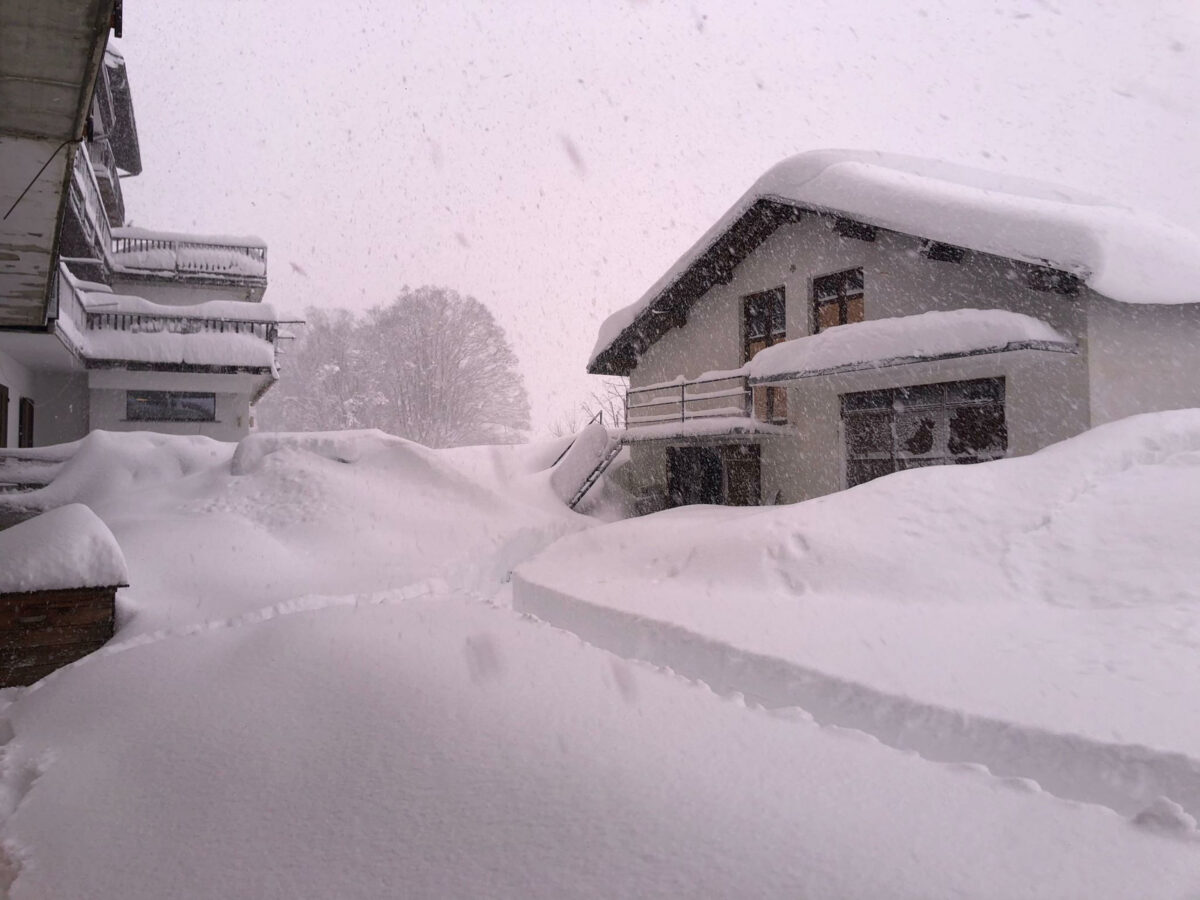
<point>553,159</point>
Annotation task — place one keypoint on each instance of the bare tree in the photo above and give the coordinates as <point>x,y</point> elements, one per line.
<point>606,403</point>
<point>433,366</point>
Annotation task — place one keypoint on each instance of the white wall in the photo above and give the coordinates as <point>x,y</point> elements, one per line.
<point>1144,358</point>
<point>60,403</point>
<point>107,401</point>
<point>19,381</point>
<point>1047,395</point>
<point>898,282</point>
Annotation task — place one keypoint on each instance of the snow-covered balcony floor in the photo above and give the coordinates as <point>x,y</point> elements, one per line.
<point>708,427</point>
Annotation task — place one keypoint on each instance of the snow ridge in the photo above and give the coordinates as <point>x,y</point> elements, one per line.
<point>1127,778</point>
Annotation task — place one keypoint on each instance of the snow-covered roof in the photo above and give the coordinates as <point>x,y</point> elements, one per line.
<point>905,339</point>
<point>1129,256</point>
<point>68,547</point>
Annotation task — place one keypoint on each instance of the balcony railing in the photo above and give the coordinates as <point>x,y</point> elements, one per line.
<point>104,167</point>
<point>94,317</point>
<point>189,257</point>
<point>88,203</point>
<point>683,401</point>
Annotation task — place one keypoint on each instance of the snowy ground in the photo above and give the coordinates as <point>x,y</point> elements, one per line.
<point>1039,615</point>
<point>317,689</point>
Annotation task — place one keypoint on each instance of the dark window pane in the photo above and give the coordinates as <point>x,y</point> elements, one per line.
<point>978,431</point>
<point>869,433</point>
<point>862,470</point>
<point>917,434</point>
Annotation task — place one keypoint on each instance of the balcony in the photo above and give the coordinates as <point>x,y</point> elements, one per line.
<point>88,213</point>
<point>139,249</point>
<point>108,330</point>
<point>104,167</point>
<point>719,396</point>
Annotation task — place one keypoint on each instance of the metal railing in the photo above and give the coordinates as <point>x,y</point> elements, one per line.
<point>71,307</point>
<point>104,167</point>
<point>88,202</point>
<point>190,257</point>
<point>682,402</point>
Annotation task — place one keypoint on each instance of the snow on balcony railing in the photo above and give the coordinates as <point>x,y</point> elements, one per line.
<point>93,316</point>
<point>137,249</point>
<point>717,394</point>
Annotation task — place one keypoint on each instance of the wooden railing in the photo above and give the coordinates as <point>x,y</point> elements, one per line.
<point>104,167</point>
<point>684,401</point>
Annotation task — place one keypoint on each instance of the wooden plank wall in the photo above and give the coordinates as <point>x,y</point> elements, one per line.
<point>41,631</point>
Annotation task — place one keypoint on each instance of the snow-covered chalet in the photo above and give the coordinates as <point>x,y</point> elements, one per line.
<point>857,313</point>
<point>102,326</point>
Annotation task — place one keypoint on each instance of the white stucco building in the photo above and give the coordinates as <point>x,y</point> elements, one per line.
<point>855,314</point>
<point>103,326</point>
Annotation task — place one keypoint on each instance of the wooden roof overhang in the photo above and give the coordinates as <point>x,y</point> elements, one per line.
<point>714,266</point>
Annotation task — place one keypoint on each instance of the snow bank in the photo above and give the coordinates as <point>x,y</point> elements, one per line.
<point>586,452</point>
<point>207,526</point>
<point>1058,591</point>
<point>68,547</point>
<point>905,339</point>
<point>316,690</point>
<point>1128,256</point>
<point>431,747</point>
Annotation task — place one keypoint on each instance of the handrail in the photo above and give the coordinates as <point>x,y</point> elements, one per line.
<point>89,202</point>
<point>685,397</point>
<point>192,256</point>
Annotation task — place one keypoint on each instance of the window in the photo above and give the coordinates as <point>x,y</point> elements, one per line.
<point>764,317</point>
<point>837,299</point>
<point>25,422</point>
<point>927,425</point>
<point>170,406</point>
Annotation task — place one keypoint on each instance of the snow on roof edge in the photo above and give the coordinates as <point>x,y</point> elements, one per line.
<point>1125,255</point>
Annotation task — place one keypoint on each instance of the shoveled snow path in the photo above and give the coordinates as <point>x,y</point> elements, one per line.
<point>1127,778</point>
<point>398,744</point>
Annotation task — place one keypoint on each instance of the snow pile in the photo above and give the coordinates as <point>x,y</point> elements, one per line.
<point>587,450</point>
<point>181,252</point>
<point>294,515</point>
<point>905,339</point>
<point>64,548</point>
<point>1128,256</point>
<point>1058,592</point>
<point>318,690</point>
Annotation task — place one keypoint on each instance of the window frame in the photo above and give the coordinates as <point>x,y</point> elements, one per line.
<point>772,400</point>
<point>171,401</point>
<point>846,291</point>
<point>940,402</point>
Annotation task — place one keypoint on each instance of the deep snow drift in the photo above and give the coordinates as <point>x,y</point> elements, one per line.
<point>1055,594</point>
<point>318,690</point>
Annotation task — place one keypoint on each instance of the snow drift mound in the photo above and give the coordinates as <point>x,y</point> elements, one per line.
<point>108,465</point>
<point>65,548</point>
<point>211,530</point>
<point>1059,590</point>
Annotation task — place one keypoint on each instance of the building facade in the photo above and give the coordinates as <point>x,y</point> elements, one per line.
<point>103,326</point>
<point>858,314</point>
